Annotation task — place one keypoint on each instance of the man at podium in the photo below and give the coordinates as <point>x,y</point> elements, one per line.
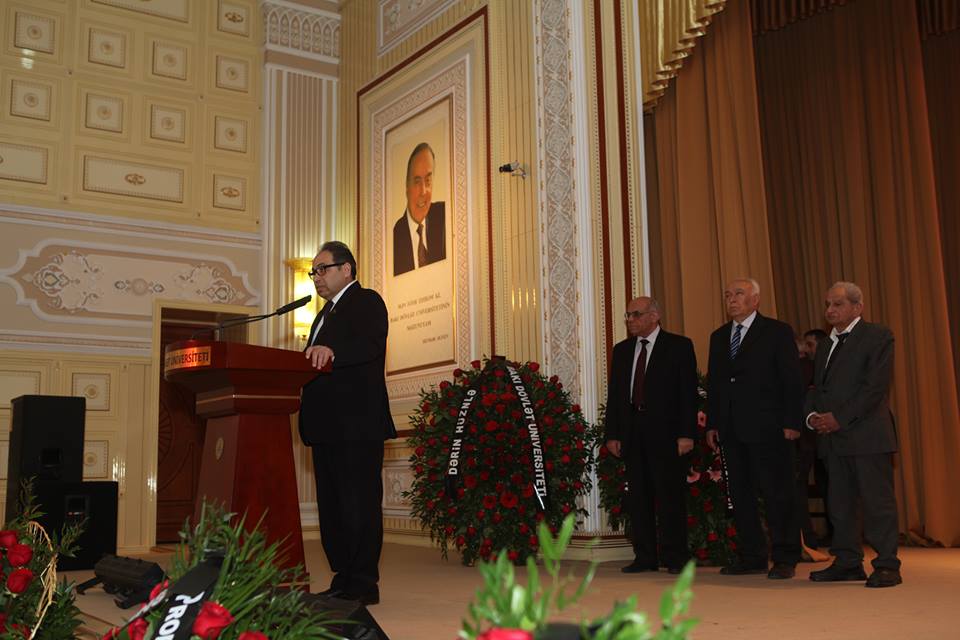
<point>345,418</point>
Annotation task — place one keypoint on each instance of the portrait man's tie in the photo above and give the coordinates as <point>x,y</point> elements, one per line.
<point>421,248</point>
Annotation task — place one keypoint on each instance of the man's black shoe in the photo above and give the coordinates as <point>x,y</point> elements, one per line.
<point>781,571</point>
<point>366,598</point>
<point>740,569</point>
<point>883,577</point>
<point>636,567</point>
<point>674,570</point>
<point>833,573</point>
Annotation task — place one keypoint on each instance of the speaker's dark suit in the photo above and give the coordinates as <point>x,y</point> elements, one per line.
<point>751,399</point>
<point>859,456</point>
<point>656,474</point>
<point>345,417</point>
<point>404,252</point>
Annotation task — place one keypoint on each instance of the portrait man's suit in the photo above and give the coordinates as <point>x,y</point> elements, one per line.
<point>656,473</point>
<point>405,252</point>
<point>345,418</point>
<point>751,399</point>
<point>856,390</point>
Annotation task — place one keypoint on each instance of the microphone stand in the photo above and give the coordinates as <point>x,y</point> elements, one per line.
<point>236,322</point>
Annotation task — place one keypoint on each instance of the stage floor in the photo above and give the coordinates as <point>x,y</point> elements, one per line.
<point>424,597</point>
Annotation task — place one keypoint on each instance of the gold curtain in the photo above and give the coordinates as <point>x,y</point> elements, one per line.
<point>851,195</point>
<point>707,204</point>
<point>668,31</point>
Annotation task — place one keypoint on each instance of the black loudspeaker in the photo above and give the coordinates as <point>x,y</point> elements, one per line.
<point>358,625</point>
<point>46,443</point>
<point>94,503</point>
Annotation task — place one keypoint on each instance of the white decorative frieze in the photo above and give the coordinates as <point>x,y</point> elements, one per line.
<point>301,31</point>
<point>84,282</point>
<point>397,19</point>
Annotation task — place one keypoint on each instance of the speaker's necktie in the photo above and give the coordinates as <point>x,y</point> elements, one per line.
<point>735,341</point>
<point>841,338</point>
<point>421,248</point>
<point>324,312</point>
<point>638,376</point>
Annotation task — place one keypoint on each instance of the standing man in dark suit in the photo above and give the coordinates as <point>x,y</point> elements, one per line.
<point>754,403</point>
<point>344,418</point>
<point>419,236</point>
<point>651,421</point>
<point>849,407</point>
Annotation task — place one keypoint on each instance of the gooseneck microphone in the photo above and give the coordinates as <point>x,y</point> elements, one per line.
<point>235,322</point>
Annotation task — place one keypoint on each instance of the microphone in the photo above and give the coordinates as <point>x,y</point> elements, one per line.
<point>290,306</point>
<point>233,322</point>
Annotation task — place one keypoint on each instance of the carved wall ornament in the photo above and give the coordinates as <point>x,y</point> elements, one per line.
<point>34,32</point>
<point>62,280</point>
<point>30,99</point>
<point>303,31</point>
<point>398,19</point>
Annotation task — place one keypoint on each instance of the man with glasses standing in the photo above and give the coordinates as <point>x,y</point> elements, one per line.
<point>345,418</point>
<point>651,421</point>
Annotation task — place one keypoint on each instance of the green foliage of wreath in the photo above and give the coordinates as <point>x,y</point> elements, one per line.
<point>493,504</point>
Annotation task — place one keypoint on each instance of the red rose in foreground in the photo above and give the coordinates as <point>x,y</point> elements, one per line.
<point>211,620</point>
<point>157,588</point>
<point>252,635</point>
<point>137,629</point>
<point>19,554</point>
<point>8,539</point>
<point>534,366</point>
<point>506,634</point>
<point>19,580</point>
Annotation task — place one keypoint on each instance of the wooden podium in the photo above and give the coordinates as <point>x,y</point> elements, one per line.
<point>247,394</point>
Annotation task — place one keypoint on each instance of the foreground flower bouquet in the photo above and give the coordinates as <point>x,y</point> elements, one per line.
<point>246,602</point>
<point>497,450</point>
<point>33,604</point>
<point>503,609</point>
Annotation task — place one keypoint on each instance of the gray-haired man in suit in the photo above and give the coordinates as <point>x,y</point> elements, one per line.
<point>849,407</point>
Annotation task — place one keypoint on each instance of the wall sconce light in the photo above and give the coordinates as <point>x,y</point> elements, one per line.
<point>302,286</point>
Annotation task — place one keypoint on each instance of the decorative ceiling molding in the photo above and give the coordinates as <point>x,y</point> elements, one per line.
<point>302,31</point>
<point>397,19</point>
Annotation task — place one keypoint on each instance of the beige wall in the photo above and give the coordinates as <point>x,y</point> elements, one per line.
<point>130,157</point>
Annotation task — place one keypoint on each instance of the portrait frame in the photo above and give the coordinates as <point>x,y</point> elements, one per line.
<point>447,82</point>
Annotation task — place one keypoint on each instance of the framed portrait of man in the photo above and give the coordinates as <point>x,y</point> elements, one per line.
<point>423,198</point>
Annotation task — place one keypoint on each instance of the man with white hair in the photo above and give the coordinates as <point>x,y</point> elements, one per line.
<point>849,407</point>
<point>754,407</point>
